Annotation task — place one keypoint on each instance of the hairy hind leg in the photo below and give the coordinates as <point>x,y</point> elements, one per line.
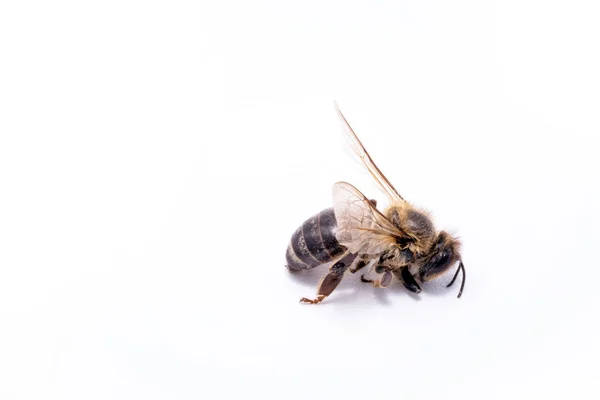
<point>331,280</point>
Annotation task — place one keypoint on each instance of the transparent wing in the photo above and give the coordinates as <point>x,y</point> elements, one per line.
<point>357,148</point>
<point>361,227</point>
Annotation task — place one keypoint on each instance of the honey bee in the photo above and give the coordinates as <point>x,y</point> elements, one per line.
<point>399,241</point>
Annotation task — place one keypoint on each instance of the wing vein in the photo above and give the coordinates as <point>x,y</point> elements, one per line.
<point>367,161</point>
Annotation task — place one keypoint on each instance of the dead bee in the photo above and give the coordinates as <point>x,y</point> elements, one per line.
<point>399,241</point>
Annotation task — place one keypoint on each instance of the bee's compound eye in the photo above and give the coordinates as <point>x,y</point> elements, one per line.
<point>443,261</point>
<point>438,264</point>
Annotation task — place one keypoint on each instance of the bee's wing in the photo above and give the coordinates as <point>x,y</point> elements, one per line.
<point>361,227</point>
<point>365,159</point>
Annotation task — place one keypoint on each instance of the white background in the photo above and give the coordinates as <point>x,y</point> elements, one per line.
<point>155,158</point>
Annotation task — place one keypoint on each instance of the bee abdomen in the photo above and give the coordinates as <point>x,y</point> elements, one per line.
<point>314,243</point>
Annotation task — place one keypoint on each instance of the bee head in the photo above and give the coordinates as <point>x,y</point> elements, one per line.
<point>443,254</point>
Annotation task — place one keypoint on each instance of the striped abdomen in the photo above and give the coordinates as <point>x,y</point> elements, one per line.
<point>314,243</point>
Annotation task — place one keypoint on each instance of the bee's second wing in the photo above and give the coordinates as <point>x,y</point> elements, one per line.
<point>361,227</point>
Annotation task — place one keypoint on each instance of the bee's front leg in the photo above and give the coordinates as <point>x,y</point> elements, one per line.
<point>408,280</point>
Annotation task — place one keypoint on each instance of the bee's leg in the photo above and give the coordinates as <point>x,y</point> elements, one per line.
<point>408,280</point>
<point>360,262</point>
<point>383,281</point>
<point>331,280</point>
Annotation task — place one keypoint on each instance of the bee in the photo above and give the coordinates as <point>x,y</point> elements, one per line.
<point>399,241</point>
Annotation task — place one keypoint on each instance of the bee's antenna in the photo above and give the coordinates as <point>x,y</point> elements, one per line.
<point>462,285</point>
